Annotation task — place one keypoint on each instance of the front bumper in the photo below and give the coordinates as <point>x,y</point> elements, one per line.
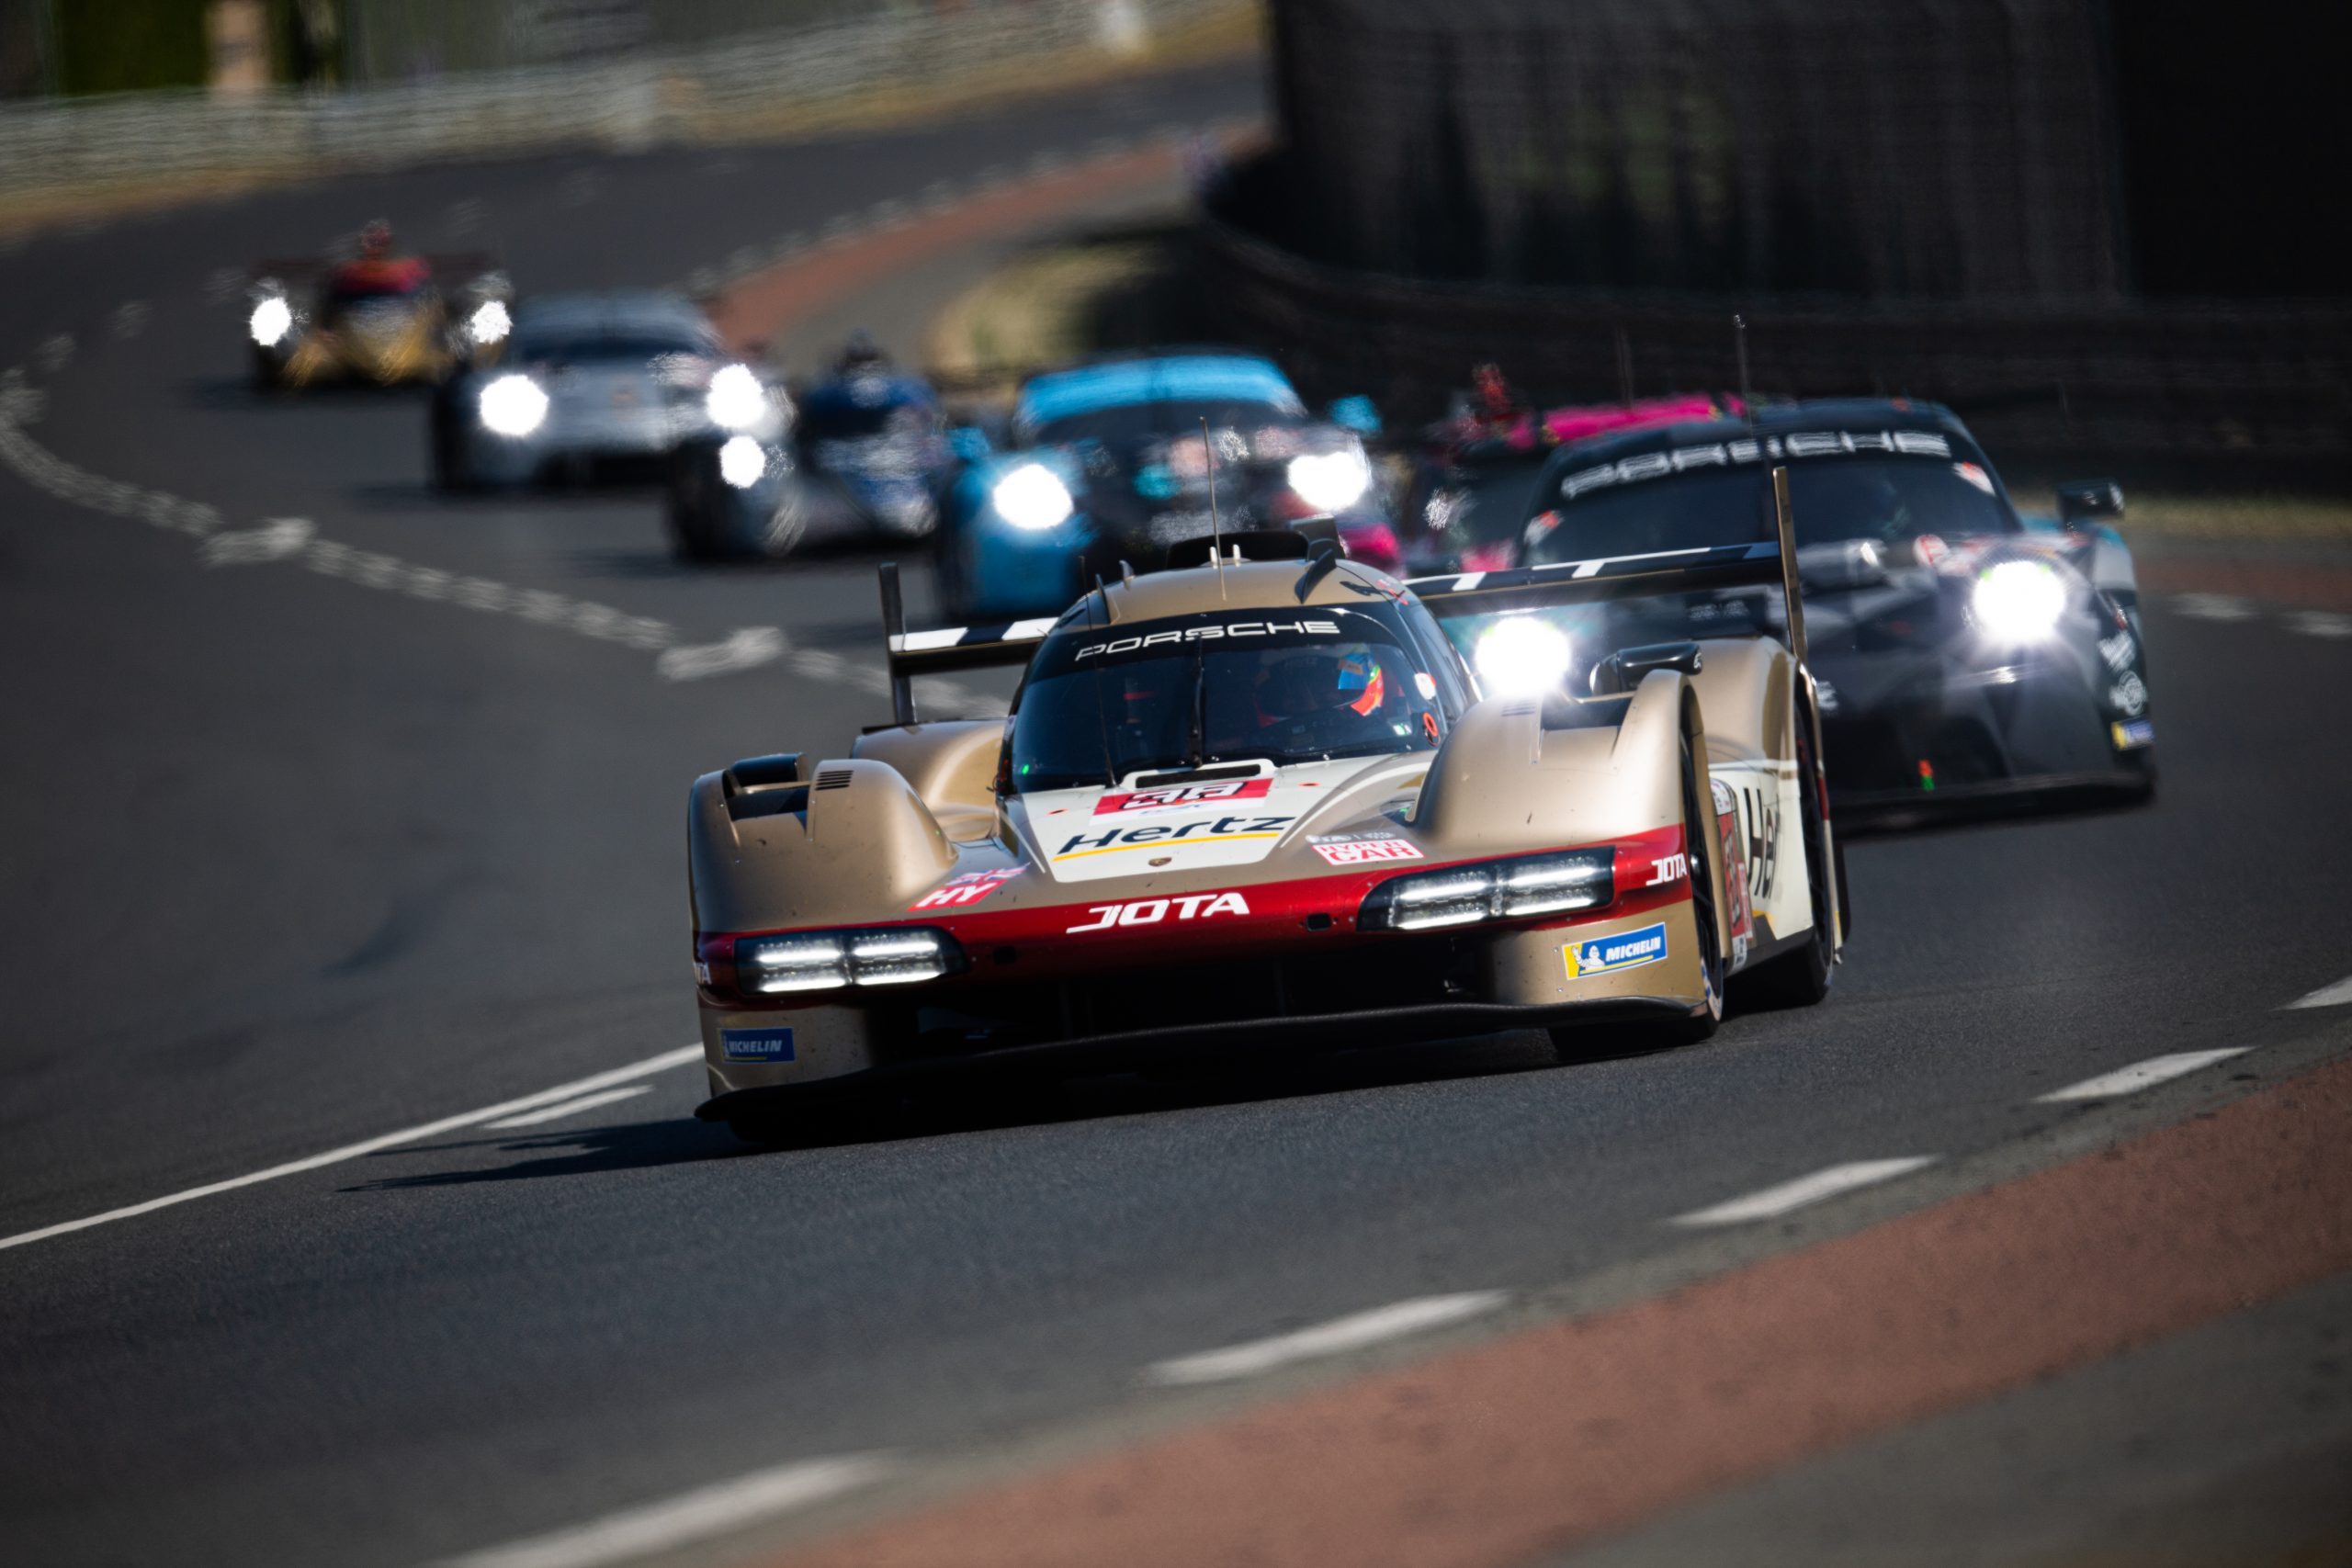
<point>1915,734</point>
<point>1370,989</point>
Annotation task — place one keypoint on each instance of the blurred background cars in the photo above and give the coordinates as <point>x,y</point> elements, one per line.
<point>597,386</point>
<point>1118,461</point>
<point>1964,654</point>
<point>863,460</point>
<point>379,317</point>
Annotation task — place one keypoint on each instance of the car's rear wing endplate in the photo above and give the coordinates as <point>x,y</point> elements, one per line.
<point>1763,563</point>
<point>946,649</point>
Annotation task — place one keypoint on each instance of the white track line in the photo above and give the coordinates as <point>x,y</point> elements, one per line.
<point>2335,996</point>
<point>667,1059</point>
<point>695,1516</point>
<point>563,1109</point>
<point>2138,1075</point>
<point>1351,1333</point>
<point>1789,1196</point>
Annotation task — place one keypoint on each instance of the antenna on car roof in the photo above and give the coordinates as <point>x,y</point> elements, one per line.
<point>1216,531</point>
<point>1746,392</point>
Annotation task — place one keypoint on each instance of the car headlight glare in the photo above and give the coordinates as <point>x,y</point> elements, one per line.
<point>272,318</point>
<point>743,462</point>
<point>490,322</point>
<point>1033,498</point>
<point>1496,890</point>
<point>1523,655</point>
<point>818,960</point>
<point>513,405</point>
<point>736,399</point>
<point>1331,481</point>
<point>2018,600</point>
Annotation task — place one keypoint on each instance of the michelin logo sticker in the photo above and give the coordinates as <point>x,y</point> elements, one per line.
<point>1607,955</point>
<point>756,1044</point>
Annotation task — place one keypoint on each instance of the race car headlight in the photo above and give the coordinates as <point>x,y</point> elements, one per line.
<point>818,960</point>
<point>743,462</point>
<point>1521,656</point>
<point>490,322</point>
<point>1331,481</point>
<point>2018,600</point>
<point>1497,890</point>
<point>272,318</point>
<point>513,405</point>
<point>736,399</point>
<point>1033,498</point>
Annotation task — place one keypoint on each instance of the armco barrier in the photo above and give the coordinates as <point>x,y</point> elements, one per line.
<point>713,93</point>
<point>2270,382</point>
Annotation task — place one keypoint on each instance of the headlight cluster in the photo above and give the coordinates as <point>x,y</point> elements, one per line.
<point>1331,481</point>
<point>1521,656</point>
<point>1497,890</point>
<point>819,961</point>
<point>490,322</point>
<point>736,399</point>
<point>1033,498</point>
<point>2018,600</point>
<point>272,318</point>
<point>513,405</point>
<point>743,462</point>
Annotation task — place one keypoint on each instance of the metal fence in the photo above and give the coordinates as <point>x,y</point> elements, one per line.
<point>1953,148</point>
<point>735,89</point>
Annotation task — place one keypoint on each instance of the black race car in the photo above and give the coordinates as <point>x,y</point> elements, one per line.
<point>1965,652</point>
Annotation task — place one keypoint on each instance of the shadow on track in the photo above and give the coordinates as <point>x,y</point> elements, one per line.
<point>988,1101</point>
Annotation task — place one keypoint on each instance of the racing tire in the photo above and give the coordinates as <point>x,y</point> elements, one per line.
<point>450,474</point>
<point>1801,979</point>
<point>769,1131</point>
<point>685,508</point>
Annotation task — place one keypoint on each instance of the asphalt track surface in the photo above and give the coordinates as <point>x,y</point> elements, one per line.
<point>292,865</point>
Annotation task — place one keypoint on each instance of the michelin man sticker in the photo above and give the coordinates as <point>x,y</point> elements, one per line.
<point>1607,955</point>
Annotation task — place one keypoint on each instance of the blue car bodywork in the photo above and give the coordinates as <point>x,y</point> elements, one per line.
<point>1107,435</point>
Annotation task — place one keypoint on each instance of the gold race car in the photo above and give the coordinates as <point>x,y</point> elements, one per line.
<point>377,319</point>
<point>1262,797</point>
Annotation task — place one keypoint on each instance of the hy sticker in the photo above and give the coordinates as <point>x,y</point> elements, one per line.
<point>1607,955</point>
<point>968,888</point>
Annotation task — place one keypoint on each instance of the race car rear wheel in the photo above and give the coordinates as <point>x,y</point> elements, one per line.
<point>1802,978</point>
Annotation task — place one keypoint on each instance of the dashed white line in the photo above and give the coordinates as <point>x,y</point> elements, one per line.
<point>577,1087</point>
<point>2335,996</point>
<point>54,354</point>
<point>563,1109</point>
<point>2318,623</point>
<point>1353,1332</point>
<point>2138,1075</point>
<point>2213,607</point>
<point>128,319</point>
<point>277,539</point>
<point>695,1516</point>
<point>1805,1191</point>
<point>743,648</point>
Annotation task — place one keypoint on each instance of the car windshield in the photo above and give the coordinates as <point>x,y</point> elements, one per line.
<point>845,421</point>
<point>1195,691</point>
<point>588,348</point>
<point>1483,500</point>
<point>1130,426</point>
<point>1890,500</point>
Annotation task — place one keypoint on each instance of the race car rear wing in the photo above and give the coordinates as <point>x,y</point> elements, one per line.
<point>1763,563</point>
<point>946,649</point>
<point>453,269</point>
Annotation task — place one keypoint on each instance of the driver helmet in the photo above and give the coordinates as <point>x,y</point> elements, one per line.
<point>376,240</point>
<point>861,351</point>
<point>1306,684</point>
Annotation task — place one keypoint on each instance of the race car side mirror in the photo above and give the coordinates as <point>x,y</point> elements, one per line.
<point>2081,502</point>
<point>1356,413</point>
<point>969,443</point>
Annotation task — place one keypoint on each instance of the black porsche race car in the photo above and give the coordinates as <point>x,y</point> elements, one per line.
<point>1966,652</point>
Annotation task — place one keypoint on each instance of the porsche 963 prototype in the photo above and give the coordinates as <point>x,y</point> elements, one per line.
<point>1260,796</point>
